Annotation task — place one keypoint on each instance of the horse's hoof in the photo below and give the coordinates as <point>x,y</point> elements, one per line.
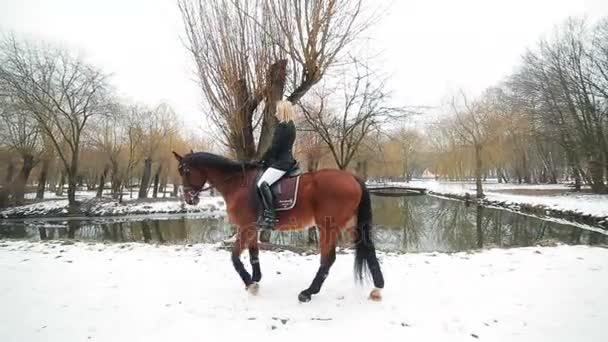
<point>253,289</point>
<point>375,295</point>
<point>304,297</point>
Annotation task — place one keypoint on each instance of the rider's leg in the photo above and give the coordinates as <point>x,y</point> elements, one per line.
<point>268,218</point>
<point>270,176</point>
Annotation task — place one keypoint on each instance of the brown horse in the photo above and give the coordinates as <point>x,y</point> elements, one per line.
<point>333,200</point>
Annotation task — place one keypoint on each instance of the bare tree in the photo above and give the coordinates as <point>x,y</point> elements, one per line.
<point>133,142</point>
<point>472,124</point>
<point>241,51</point>
<point>156,125</point>
<point>60,90</point>
<point>563,82</point>
<point>362,109</point>
<point>409,141</point>
<point>109,136</point>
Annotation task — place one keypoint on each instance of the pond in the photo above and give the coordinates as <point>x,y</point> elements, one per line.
<point>401,224</point>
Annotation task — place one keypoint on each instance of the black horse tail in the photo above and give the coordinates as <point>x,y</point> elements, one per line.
<point>365,252</point>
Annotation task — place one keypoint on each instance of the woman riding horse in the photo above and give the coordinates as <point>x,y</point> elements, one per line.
<point>279,159</point>
<point>335,201</point>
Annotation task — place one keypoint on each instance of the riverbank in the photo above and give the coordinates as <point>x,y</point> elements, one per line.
<point>555,201</point>
<point>105,207</point>
<point>552,201</point>
<point>121,292</point>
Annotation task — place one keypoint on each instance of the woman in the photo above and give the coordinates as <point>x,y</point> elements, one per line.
<point>279,159</point>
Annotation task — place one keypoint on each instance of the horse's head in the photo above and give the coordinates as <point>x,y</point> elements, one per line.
<point>193,179</point>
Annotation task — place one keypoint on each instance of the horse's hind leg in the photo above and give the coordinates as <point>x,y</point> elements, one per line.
<point>327,242</point>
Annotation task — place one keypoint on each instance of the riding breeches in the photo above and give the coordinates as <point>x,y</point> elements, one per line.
<point>270,176</point>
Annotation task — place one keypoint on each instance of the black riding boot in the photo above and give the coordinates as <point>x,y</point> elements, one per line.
<point>268,219</point>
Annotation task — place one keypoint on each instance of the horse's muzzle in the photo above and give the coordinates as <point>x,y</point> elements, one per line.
<point>191,197</point>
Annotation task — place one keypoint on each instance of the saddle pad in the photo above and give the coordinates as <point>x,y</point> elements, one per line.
<point>285,193</point>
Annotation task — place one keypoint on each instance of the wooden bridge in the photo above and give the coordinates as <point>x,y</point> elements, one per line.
<point>396,190</point>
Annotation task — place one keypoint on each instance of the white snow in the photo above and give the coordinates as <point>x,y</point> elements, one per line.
<point>136,292</point>
<point>587,204</point>
<point>207,204</point>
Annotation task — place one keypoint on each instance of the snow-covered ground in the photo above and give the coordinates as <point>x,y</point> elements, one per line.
<point>136,292</point>
<point>587,204</point>
<point>108,207</point>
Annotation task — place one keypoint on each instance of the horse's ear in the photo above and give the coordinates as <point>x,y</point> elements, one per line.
<point>177,156</point>
<point>191,152</point>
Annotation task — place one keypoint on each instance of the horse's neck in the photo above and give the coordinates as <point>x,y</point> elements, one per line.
<point>227,184</point>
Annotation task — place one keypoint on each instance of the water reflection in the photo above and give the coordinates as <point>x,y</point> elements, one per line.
<point>158,230</point>
<point>407,224</point>
<point>425,223</point>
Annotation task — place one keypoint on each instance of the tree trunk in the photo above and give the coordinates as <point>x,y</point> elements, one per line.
<point>6,187</point>
<point>72,185</point>
<point>524,166</point>
<point>145,178</point>
<point>10,172</point>
<point>242,139</point>
<point>577,181</point>
<point>156,182</point>
<point>73,179</point>
<point>102,181</point>
<point>42,179</point>
<point>596,172</point>
<point>59,191</point>
<point>361,169</point>
<point>275,80</point>
<point>115,181</point>
<point>24,175</point>
<point>478,171</point>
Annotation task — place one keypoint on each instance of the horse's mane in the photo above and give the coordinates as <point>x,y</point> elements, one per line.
<point>204,159</point>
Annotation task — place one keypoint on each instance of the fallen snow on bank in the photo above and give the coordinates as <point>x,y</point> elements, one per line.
<point>106,207</point>
<point>206,204</point>
<point>136,292</point>
<point>586,204</point>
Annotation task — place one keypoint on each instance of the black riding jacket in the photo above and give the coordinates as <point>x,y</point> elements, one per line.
<point>280,153</point>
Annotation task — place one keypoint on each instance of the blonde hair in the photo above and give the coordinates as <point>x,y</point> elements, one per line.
<point>285,111</point>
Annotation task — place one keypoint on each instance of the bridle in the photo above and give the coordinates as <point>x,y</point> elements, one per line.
<point>184,168</point>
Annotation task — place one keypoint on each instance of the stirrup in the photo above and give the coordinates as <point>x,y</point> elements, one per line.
<point>267,221</point>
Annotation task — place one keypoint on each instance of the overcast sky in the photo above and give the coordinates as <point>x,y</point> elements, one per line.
<point>428,47</point>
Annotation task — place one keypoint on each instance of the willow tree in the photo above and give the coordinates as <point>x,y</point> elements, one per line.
<point>21,133</point>
<point>251,54</point>
<point>473,125</point>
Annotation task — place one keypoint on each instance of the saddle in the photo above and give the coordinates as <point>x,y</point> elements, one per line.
<point>285,190</point>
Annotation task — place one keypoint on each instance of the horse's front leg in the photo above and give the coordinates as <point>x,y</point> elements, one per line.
<point>254,259</point>
<point>237,249</point>
<point>255,267</point>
